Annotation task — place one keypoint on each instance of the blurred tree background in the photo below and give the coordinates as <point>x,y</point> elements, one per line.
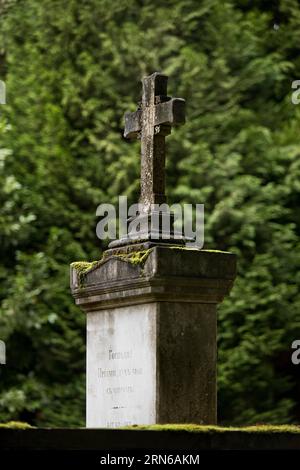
<point>72,68</point>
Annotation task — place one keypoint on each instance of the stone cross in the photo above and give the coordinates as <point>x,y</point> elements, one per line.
<point>152,122</point>
<point>152,323</point>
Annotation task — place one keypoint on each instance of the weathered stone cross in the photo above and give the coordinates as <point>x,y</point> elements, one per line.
<point>152,123</point>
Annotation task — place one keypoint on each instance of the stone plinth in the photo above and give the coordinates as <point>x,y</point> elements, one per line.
<point>151,335</point>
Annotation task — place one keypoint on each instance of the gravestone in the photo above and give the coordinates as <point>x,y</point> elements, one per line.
<point>151,303</point>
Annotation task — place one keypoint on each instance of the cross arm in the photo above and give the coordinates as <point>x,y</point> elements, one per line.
<point>170,112</point>
<point>132,124</point>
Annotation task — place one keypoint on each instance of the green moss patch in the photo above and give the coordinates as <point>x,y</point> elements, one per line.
<point>191,428</point>
<point>189,248</point>
<point>16,425</point>
<point>82,268</point>
<point>137,258</point>
<point>197,428</point>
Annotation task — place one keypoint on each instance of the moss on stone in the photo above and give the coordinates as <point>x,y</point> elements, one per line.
<point>82,268</point>
<point>197,428</point>
<point>137,258</point>
<point>191,428</point>
<point>189,248</point>
<point>185,248</point>
<point>215,251</point>
<point>16,425</point>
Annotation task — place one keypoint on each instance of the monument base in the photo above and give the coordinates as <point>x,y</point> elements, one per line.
<point>151,335</point>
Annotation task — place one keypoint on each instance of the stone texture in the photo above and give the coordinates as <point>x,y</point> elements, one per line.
<point>104,441</point>
<point>152,122</point>
<point>121,365</point>
<point>160,317</point>
<point>186,363</point>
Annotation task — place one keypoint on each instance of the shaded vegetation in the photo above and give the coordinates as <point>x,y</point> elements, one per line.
<point>72,70</point>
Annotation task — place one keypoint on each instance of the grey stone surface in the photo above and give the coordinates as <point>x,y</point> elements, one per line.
<point>152,123</point>
<point>168,274</point>
<point>160,316</point>
<point>121,365</point>
<point>186,363</point>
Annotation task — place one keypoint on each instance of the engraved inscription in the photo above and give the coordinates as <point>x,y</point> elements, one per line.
<point>121,367</point>
<point>103,373</point>
<point>119,354</point>
<point>121,372</point>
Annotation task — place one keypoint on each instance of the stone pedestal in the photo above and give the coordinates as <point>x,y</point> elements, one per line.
<point>151,335</point>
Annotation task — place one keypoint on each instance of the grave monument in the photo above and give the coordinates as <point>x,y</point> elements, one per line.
<point>150,302</point>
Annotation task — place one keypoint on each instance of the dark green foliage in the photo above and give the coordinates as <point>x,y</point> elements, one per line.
<point>72,70</point>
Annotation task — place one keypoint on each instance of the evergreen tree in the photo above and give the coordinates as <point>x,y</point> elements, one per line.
<point>72,70</point>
